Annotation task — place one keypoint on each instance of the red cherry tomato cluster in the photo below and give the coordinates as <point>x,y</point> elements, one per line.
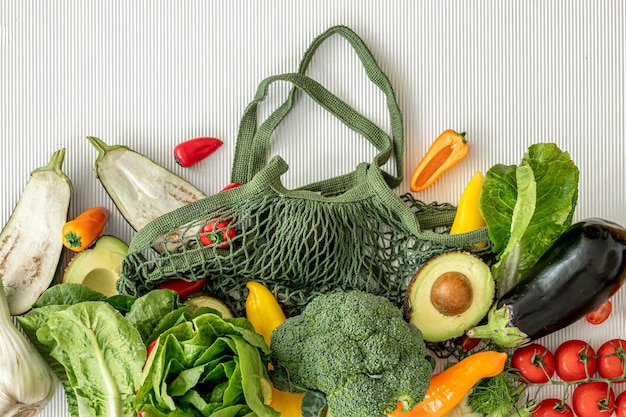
<point>592,373</point>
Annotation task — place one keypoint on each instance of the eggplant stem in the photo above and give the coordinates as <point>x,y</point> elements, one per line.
<point>102,147</point>
<point>55,164</point>
<point>499,329</point>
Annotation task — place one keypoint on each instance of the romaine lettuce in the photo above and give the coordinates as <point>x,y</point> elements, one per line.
<point>207,366</point>
<point>526,207</point>
<point>202,364</point>
<point>102,354</point>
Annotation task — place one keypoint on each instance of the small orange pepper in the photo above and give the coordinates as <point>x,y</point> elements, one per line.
<point>79,233</point>
<point>448,387</point>
<point>445,152</point>
<point>468,216</point>
<point>265,314</point>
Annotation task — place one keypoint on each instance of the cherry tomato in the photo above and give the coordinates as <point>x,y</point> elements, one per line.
<point>534,363</point>
<point>571,357</point>
<point>611,356</point>
<point>620,405</point>
<point>600,314</point>
<point>552,407</point>
<point>593,399</point>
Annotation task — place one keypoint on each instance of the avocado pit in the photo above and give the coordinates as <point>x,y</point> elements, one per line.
<point>448,295</point>
<point>451,293</point>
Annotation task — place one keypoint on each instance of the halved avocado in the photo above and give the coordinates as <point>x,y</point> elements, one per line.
<point>98,267</point>
<point>448,295</point>
<point>201,299</point>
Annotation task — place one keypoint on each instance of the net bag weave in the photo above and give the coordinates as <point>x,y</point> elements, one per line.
<point>347,232</point>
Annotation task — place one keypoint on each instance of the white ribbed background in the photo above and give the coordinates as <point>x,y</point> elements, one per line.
<point>149,74</point>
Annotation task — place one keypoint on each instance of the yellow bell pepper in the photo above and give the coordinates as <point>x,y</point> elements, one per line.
<point>468,217</point>
<point>265,314</point>
<point>263,310</point>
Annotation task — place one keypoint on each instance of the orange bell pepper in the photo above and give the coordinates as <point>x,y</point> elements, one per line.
<point>448,387</point>
<point>85,228</point>
<point>445,152</point>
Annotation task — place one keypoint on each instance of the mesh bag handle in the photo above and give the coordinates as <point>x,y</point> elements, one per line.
<point>253,141</point>
<point>349,231</point>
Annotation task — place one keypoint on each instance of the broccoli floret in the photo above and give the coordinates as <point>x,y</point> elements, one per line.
<point>357,349</point>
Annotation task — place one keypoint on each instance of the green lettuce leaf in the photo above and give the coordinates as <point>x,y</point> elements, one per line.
<point>206,366</point>
<point>30,323</point>
<point>146,313</point>
<point>102,354</point>
<point>68,294</point>
<point>526,207</point>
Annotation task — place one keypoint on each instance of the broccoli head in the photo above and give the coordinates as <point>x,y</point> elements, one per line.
<point>356,349</point>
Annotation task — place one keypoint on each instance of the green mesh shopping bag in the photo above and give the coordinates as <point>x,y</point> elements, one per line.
<point>346,232</point>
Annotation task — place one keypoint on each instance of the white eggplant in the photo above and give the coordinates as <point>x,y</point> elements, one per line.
<point>26,381</point>
<point>31,240</point>
<point>141,189</point>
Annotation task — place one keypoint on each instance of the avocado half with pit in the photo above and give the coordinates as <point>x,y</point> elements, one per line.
<point>448,295</point>
<point>98,267</point>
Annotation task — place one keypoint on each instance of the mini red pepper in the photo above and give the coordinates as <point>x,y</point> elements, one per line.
<point>192,151</point>
<point>182,287</point>
<point>219,232</point>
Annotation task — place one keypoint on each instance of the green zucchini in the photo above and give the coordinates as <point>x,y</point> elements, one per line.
<point>31,240</point>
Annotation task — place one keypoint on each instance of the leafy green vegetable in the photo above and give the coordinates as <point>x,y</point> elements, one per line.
<point>30,323</point>
<point>68,294</point>
<point>102,355</point>
<point>499,396</point>
<point>97,347</point>
<point>207,365</point>
<point>527,207</point>
<point>72,293</point>
<point>149,310</point>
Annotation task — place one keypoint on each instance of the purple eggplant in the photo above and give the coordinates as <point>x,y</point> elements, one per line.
<point>582,269</point>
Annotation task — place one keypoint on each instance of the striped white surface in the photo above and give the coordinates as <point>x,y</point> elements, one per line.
<point>149,74</point>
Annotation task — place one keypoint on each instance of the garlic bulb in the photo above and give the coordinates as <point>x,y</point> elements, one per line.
<point>26,382</point>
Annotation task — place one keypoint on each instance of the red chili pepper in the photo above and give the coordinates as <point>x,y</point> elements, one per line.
<point>182,287</point>
<point>192,151</point>
<point>149,350</point>
<point>231,185</point>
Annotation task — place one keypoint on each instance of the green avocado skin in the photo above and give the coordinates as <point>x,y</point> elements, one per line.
<point>99,266</point>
